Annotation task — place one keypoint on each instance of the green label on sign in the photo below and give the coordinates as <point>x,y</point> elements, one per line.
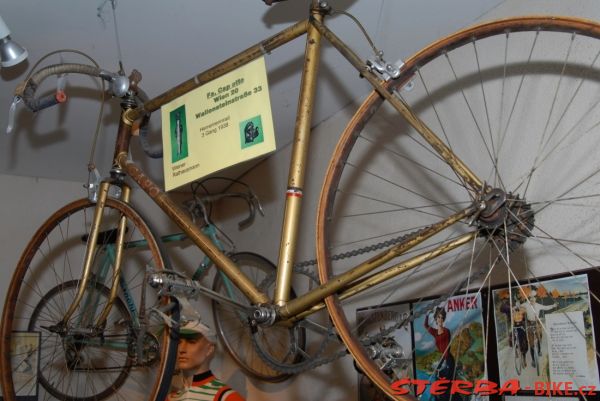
<point>179,143</point>
<point>251,132</point>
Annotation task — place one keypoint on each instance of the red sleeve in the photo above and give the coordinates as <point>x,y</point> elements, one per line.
<point>428,328</point>
<point>233,396</point>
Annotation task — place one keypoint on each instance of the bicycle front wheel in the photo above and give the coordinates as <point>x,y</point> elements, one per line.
<point>129,357</point>
<point>517,102</point>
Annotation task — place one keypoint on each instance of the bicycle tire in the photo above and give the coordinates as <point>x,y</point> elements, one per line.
<point>495,94</point>
<point>518,354</point>
<point>50,260</point>
<point>537,364</point>
<point>234,330</point>
<point>536,356</point>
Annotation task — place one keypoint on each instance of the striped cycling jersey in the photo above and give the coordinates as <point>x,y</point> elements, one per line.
<point>205,387</point>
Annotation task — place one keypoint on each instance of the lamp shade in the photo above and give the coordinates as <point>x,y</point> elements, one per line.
<point>11,53</point>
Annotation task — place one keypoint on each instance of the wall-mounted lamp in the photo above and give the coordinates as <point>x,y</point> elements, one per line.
<point>10,52</point>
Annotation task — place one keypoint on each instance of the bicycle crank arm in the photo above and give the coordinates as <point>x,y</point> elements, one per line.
<point>187,288</point>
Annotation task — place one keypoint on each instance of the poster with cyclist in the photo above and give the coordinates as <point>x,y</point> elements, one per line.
<point>449,342</point>
<point>545,333</point>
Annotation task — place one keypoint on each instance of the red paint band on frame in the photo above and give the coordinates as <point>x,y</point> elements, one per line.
<point>293,192</point>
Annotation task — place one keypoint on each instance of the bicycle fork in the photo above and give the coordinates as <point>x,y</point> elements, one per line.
<point>91,248</point>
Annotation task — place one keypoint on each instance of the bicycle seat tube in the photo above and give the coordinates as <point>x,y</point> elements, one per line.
<point>295,185</point>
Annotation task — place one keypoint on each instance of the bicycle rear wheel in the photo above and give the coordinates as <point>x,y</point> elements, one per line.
<point>131,357</point>
<point>517,101</point>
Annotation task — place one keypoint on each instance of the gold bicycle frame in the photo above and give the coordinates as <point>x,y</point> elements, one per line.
<point>347,284</point>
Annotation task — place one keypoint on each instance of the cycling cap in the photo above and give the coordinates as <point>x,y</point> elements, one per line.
<point>195,329</point>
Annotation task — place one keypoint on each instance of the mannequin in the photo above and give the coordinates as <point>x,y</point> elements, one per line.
<point>195,381</point>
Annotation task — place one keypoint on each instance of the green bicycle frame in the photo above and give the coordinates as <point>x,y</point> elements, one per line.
<point>105,260</point>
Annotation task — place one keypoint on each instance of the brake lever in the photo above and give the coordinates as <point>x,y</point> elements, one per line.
<point>11,114</point>
<point>197,210</point>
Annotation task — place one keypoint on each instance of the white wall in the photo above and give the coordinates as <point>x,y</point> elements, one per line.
<point>26,203</point>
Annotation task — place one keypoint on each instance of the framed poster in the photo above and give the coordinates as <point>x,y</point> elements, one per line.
<point>397,359</point>
<point>25,356</point>
<point>552,338</point>
<point>449,342</point>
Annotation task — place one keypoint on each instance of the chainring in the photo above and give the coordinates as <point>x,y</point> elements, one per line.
<point>299,359</point>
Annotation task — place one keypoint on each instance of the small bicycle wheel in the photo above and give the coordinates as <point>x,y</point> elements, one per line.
<point>240,338</point>
<point>81,352</point>
<point>516,101</point>
<point>130,357</point>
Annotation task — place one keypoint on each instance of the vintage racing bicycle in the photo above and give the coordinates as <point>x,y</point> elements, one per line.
<point>474,162</point>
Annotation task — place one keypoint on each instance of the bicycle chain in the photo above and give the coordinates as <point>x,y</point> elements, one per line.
<point>367,340</point>
<point>340,256</point>
<point>301,367</point>
<point>359,251</point>
<point>300,268</point>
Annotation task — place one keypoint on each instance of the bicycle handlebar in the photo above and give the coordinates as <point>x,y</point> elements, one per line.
<point>119,87</point>
<point>119,84</point>
<point>26,90</point>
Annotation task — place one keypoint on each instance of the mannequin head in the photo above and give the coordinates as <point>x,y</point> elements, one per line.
<point>196,348</point>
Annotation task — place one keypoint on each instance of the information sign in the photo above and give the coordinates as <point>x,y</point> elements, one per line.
<point>220,124</point>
